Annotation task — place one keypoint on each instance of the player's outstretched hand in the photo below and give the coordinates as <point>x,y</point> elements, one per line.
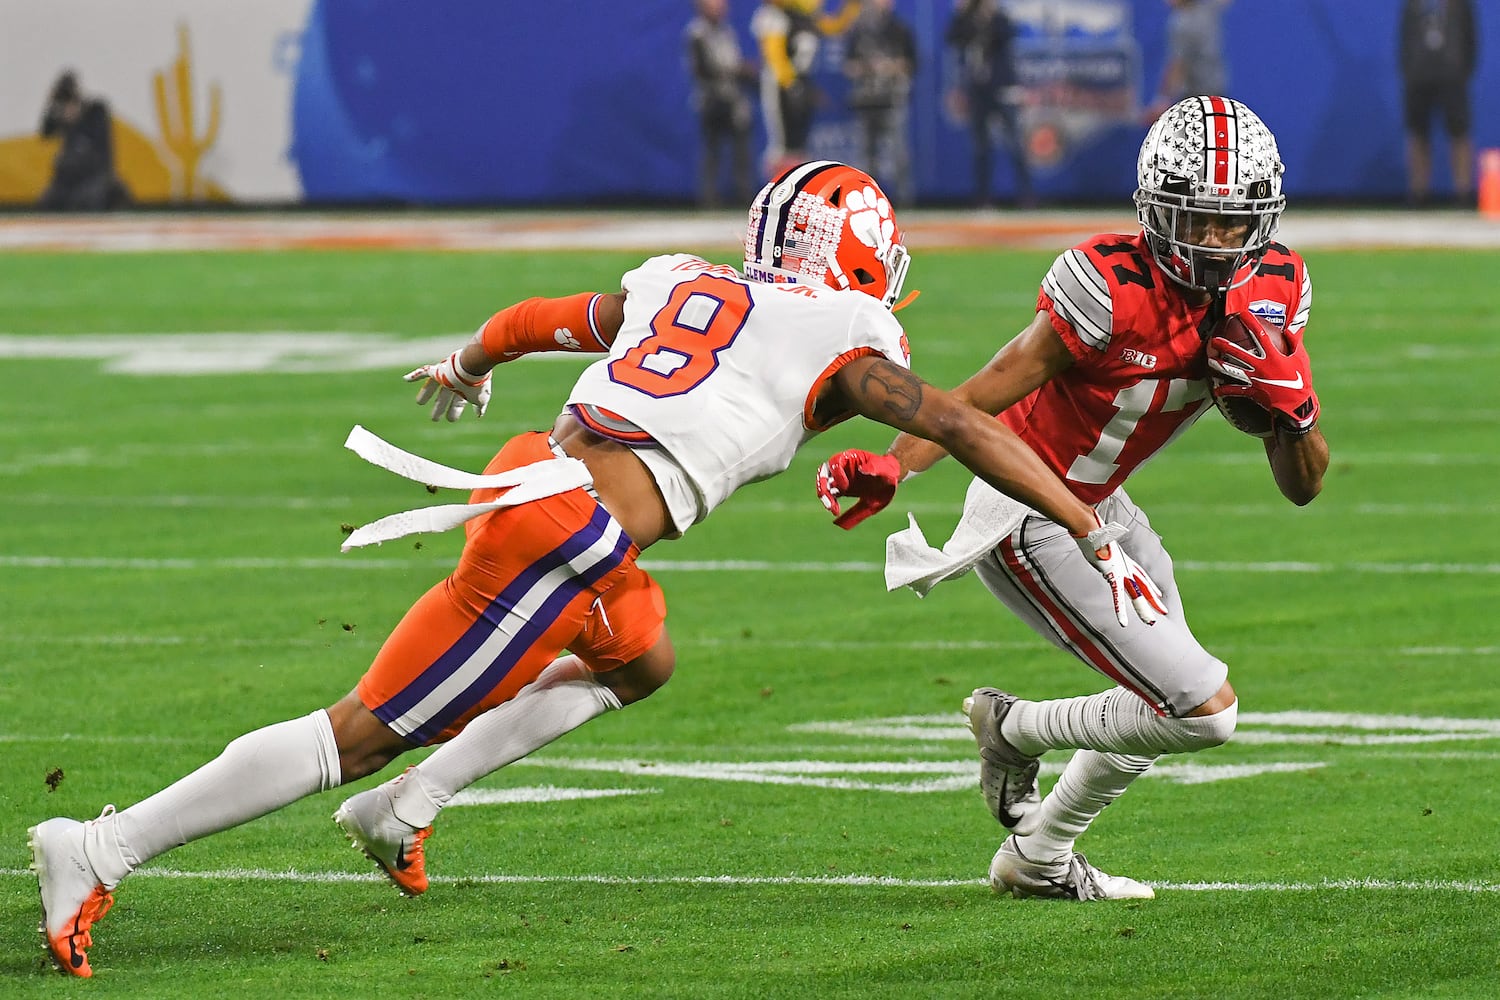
<point>1128,583</point>
<point>454,387</point>
<point>855,473</point>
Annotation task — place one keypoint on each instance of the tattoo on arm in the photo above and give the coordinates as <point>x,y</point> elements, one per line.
<point>893,389</point>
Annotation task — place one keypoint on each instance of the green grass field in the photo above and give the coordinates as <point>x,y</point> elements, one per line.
<point>796,814</point>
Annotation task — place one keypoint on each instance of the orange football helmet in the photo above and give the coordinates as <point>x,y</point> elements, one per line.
<point>827,223</point>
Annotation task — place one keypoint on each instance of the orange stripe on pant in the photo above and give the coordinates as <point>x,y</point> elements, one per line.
<point>533,580</point>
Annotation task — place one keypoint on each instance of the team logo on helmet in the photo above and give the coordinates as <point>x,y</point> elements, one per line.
<point>870,217</point>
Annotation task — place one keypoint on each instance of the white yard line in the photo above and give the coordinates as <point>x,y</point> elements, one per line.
<point>695,566</point>
<point>711,642</point>
<point>1330,507</point>
<point>811,881</point>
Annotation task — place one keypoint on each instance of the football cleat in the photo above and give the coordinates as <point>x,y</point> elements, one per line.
<point>1072,878</point>
<point>369,821</point>
<point>1007,777</point>
<point>73,898</point>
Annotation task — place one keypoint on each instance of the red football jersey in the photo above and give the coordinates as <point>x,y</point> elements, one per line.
<point>1138,377</point>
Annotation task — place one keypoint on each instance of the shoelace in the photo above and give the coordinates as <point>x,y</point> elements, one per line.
<point>1083,878</point>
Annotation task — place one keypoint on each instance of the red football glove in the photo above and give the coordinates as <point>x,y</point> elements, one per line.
<point>1281,382</point>
<point>855,473</point>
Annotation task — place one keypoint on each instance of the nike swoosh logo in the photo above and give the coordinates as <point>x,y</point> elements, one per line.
<point>75,957</point>
<point>1284,383</point>
<point>402,861</point>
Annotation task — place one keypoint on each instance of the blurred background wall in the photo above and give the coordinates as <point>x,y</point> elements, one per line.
<point>587,101</point>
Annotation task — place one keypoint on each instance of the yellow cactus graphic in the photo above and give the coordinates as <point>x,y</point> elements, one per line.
<point>178,133</point>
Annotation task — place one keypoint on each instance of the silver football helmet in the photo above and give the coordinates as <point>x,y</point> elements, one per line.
<point>1208,192</point>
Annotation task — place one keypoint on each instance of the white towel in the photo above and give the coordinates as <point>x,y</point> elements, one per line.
<point>988,517</point>
<point>526,483</point>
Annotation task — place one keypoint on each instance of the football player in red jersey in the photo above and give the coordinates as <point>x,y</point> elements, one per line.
<point>1112,368</point>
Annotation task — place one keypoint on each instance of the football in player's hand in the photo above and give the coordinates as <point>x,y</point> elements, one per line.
<point>1243,413</point>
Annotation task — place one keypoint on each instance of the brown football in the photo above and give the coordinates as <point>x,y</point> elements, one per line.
<point>1243,414</point>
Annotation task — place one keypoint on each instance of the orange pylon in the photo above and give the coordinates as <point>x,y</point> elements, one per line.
<point>1489,183</point>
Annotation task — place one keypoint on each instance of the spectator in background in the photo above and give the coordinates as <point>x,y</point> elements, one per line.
<point>1195,54</point>
<point>83,172</point>
<point>789,33</point>
<point>720,74</point>
<point>881,60</point>
<point>1438,54</point>
<point>983,36</point>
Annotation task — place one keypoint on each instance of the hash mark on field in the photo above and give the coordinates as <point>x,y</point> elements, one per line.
<point>854,881</point>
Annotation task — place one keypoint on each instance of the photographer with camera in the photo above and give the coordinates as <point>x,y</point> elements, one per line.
<point>83,172</point>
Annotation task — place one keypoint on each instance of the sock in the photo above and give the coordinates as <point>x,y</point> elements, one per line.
<point>563,697</point>
<point>1089,782</point>
<point>1113,721</point>
<point>256,774</point>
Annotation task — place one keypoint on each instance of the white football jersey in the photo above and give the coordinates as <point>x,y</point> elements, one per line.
<point>713,377</point>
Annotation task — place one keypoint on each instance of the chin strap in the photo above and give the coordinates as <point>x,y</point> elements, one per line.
<point>911,297</point>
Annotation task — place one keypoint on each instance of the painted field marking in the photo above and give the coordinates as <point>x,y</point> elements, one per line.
<point>1317,728</point>
<point>249,353</point>
<point>813,881</point>
<point>931,776</point>
<point>744,505</point>
<point>710,642</point>
<point>16,561</point>
<point>539,793</point>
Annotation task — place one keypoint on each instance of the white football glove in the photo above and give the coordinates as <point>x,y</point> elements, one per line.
<point>1127,581</point>
<point>454,387</point>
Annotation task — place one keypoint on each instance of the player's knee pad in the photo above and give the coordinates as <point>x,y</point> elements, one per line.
<point>1199,732</point>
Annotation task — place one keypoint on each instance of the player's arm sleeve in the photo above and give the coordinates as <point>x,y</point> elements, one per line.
<point>573,323</point>
<point>1080,300</point>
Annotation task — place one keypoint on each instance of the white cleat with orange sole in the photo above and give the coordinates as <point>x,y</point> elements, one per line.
<point>73,898</point>
<point>369,821</point>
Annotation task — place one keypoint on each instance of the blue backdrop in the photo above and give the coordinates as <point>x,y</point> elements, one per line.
<point>587,101</point>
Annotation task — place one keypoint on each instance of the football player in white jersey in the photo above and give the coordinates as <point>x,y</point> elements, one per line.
<point>1112,368</point>
<point>711,379</point>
